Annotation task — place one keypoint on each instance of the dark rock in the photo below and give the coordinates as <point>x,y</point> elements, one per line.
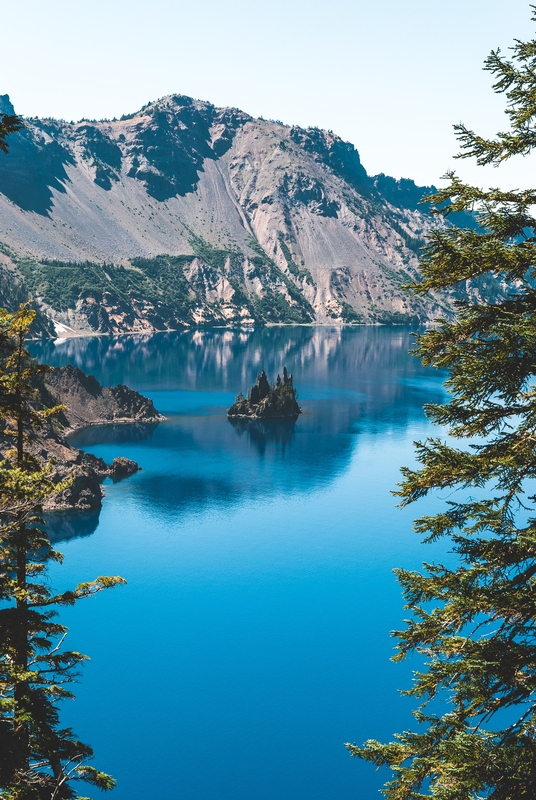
<point>87,404</point>
<point>123,467</point>
<point>268,402</point>
<point>6,106</point>
<point>260,390</point>
<point>83,493</point>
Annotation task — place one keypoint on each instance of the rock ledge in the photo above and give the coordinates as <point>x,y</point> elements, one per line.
<point>87,403</point>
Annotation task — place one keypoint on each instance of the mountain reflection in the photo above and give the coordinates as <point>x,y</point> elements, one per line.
<point>229,360</point>
<point>350,381</point>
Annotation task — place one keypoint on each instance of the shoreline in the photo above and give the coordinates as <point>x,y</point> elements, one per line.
<point>70,431</point>
<point>67,336</point>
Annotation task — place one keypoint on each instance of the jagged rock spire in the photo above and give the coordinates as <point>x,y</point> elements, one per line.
<point>265,401</point>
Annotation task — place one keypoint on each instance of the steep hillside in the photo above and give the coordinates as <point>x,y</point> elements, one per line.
<point>185,214</point>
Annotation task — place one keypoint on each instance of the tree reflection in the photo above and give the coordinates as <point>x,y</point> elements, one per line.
<point>263,433</point>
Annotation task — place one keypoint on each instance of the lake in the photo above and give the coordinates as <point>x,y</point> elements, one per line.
<point>253,637</point>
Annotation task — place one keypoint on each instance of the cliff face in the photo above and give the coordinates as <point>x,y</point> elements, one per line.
<point>87,403</point>
<point>184,214</point>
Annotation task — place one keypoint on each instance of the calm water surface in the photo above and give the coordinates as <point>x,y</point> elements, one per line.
<point>252,639</point>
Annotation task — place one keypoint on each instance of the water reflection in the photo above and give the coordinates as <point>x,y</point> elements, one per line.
<point>369,365</point>
<point>264,433</point>
<point>200,360</point>
<point>259,557</point>
<point>97,434</point>
<point>350,381</point>
<point>64,525</point>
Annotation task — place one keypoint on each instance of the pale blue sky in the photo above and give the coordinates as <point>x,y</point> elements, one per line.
<point>390,76</point>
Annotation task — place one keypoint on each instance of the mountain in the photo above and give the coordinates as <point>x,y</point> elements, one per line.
<point>184,214</point>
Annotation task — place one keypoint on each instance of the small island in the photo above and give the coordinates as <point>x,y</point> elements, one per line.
<point>267,402</point>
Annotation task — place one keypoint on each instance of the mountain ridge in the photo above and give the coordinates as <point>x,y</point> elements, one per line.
<point>185,214</point>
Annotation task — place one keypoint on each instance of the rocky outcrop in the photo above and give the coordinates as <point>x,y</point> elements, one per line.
<point>89,403</point>
<point>123,467</point>
<point>84,491</point>
<point>268,402</point>
<point>183,214</point>
<point>86,403</point>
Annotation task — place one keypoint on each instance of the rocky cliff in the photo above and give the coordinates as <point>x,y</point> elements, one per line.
<point>86,403</point>
<point>89,403</point>
<point>184,214</point>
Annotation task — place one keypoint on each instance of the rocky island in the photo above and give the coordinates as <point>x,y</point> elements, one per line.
<point>267,402</point>
<point>86,403</point>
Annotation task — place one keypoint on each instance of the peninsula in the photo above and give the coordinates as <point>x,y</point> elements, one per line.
<point>87,403</point>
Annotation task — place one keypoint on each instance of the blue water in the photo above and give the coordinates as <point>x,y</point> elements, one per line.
<point>252,639</point>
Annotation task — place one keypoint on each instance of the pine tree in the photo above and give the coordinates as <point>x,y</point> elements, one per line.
<point>9,123</point>
<point>474,623</point>
<point>38,758</point>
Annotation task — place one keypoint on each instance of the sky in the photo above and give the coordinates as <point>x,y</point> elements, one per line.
<point>390,76</point>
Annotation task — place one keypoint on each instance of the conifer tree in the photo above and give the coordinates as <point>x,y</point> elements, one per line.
<point>9,123</point>
<point>38,758</point>
<point>474,622</point>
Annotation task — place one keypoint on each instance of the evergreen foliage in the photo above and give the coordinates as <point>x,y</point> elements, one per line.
<point>349,314</point>
<point>9,123</point>
<point>214,256</point>
<point>474,622</point>
<point>291,264</point>
<point>60,283</point>
<point>414,243</point>
<point>273,306</point>
<point>161,281</point>
<point>39,760</point>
